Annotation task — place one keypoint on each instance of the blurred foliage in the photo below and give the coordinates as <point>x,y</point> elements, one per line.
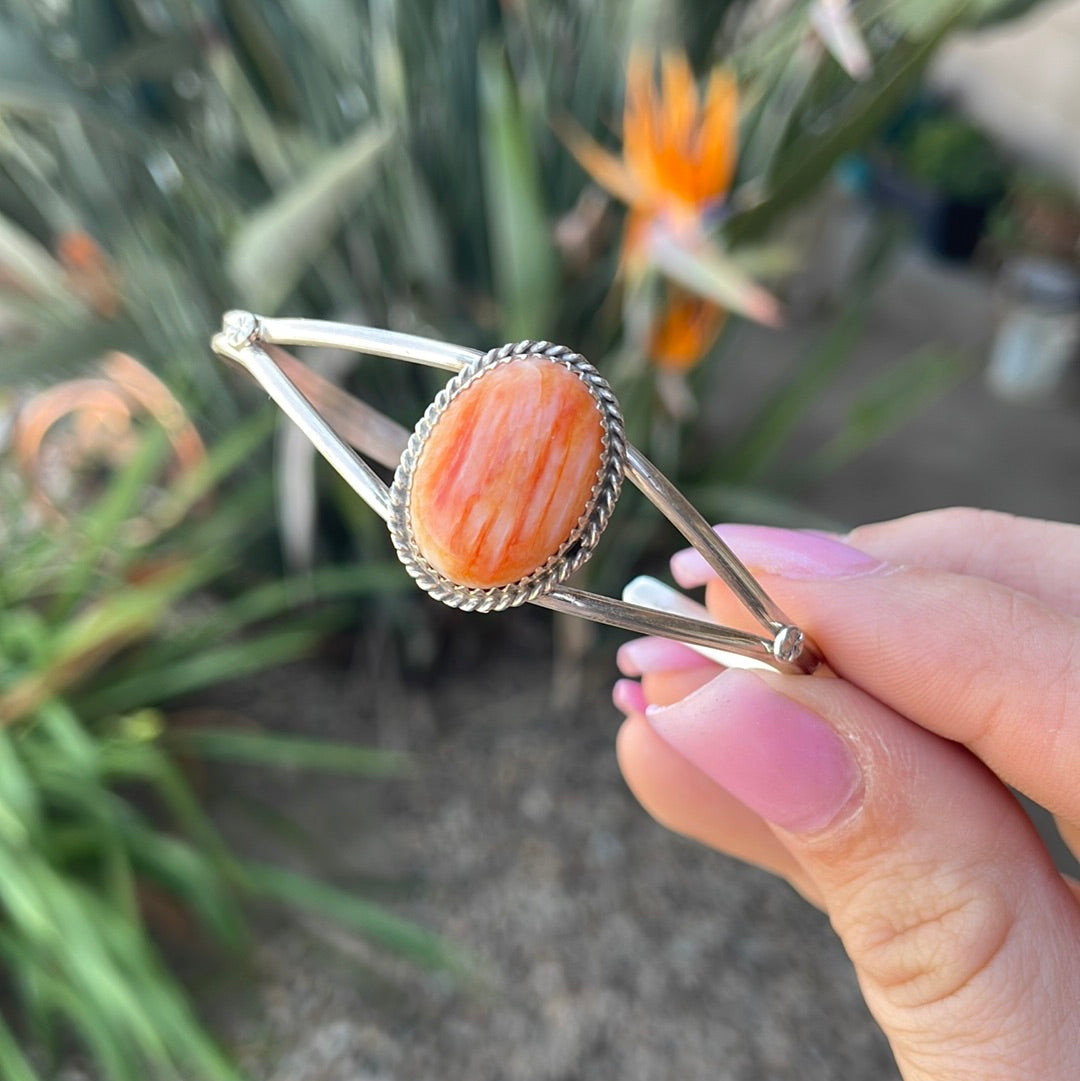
<point>103,839</point>
<point>395,162</point>
<point>950,156</point>
<point>390,161</point>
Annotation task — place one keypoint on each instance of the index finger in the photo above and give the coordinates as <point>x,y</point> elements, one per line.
<point>1039,558</point>
<point>1036,557</point>
<point>978,662</point>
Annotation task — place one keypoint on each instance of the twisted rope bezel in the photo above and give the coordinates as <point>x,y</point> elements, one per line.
<point>578,546</point>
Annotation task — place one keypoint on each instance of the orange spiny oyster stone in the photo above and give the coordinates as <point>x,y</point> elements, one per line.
<point>506,473</point>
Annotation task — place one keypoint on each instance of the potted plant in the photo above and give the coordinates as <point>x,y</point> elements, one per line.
<point>947,176</point>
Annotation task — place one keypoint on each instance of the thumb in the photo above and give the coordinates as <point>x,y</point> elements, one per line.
<point>965,939</point>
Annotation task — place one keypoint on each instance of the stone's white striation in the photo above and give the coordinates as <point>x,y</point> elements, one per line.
<point>506,473</point>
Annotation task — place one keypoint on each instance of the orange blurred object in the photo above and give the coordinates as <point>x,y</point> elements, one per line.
<point>101,415</point>
<point>685,331</point>
<point>679,149</point>
<point>677,164</point>
<point>91,274</point>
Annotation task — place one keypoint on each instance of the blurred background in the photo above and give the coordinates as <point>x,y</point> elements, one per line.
<point>266,811</point>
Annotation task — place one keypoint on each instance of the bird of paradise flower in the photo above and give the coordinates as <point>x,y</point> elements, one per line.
<point>679,150</point>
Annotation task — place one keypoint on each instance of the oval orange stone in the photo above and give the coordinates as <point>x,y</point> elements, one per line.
<point>505,473</point>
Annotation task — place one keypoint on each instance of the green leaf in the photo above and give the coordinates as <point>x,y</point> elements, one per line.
<point>293,752</point>
<point>902,392</point>
<point>373,921</point>
<point>13,1064</point>
<point>147,762</point>
<point>806,160</point>
<point>771,426</point>
<point>233,450</point>
<point>108,1047</point>
<point>81,647</point>
<point>185,872</point>
<point>265,602</point>
<point>101,526</point>
<point>63,347</point>
<point>191,673</point>
<point>519,233</point>
<point>30,265</point>
<point>273,247</point>
<point>20,806</point>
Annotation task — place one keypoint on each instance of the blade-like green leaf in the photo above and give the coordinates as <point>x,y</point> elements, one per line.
<point>148,763</point>
<point>519,233</point>
<point>188,875</point>
<point>20,805</point>
<point>275,749</point>
<point>806,160</point>
<point>771,426</point>
<point>101,525</point>
<point>191,673</point>
<point>29,264</point>
<point>372,921</point>
<point>902,392</point>
<point>82,646</point>
<point>63,348</point>
<point>274,247</point>
<point>227,455</point>
<point>110,1049</point>
<point>13,1064</point>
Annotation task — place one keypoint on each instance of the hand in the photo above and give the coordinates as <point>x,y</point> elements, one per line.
<point>882,795</point>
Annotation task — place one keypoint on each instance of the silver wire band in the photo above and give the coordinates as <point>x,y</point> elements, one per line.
<point>242,340</point>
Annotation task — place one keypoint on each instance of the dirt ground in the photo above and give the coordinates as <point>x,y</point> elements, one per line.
<point>610,949</point>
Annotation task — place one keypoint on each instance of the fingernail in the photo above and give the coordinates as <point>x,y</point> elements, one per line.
<point>642,655</point>
<point>771,753</point>
<point>789,553</point>
<point>628,697</point>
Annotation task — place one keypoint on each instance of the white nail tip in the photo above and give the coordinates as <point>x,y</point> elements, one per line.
<point>650,592</point>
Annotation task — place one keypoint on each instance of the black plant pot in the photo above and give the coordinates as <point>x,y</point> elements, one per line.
<point>953,228</point>
<point>948,227</point>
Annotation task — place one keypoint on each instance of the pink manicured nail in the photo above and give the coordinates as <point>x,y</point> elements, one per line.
<point>787,552</point>
<point>628,696</point>
<point>772,754</point>
<point>642,655</point>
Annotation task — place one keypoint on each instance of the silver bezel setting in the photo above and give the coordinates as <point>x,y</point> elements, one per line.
<point>581,542</point>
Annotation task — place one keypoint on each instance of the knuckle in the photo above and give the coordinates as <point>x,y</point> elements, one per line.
<point>920,949</point>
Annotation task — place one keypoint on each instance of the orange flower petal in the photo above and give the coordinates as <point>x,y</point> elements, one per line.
<point>639,120</point>
<point>633,257</point>
<point>719,133</point>
<point>681,152</point>
<point>680,104</point>
<point>604,167</point>
<point>685,331</point>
